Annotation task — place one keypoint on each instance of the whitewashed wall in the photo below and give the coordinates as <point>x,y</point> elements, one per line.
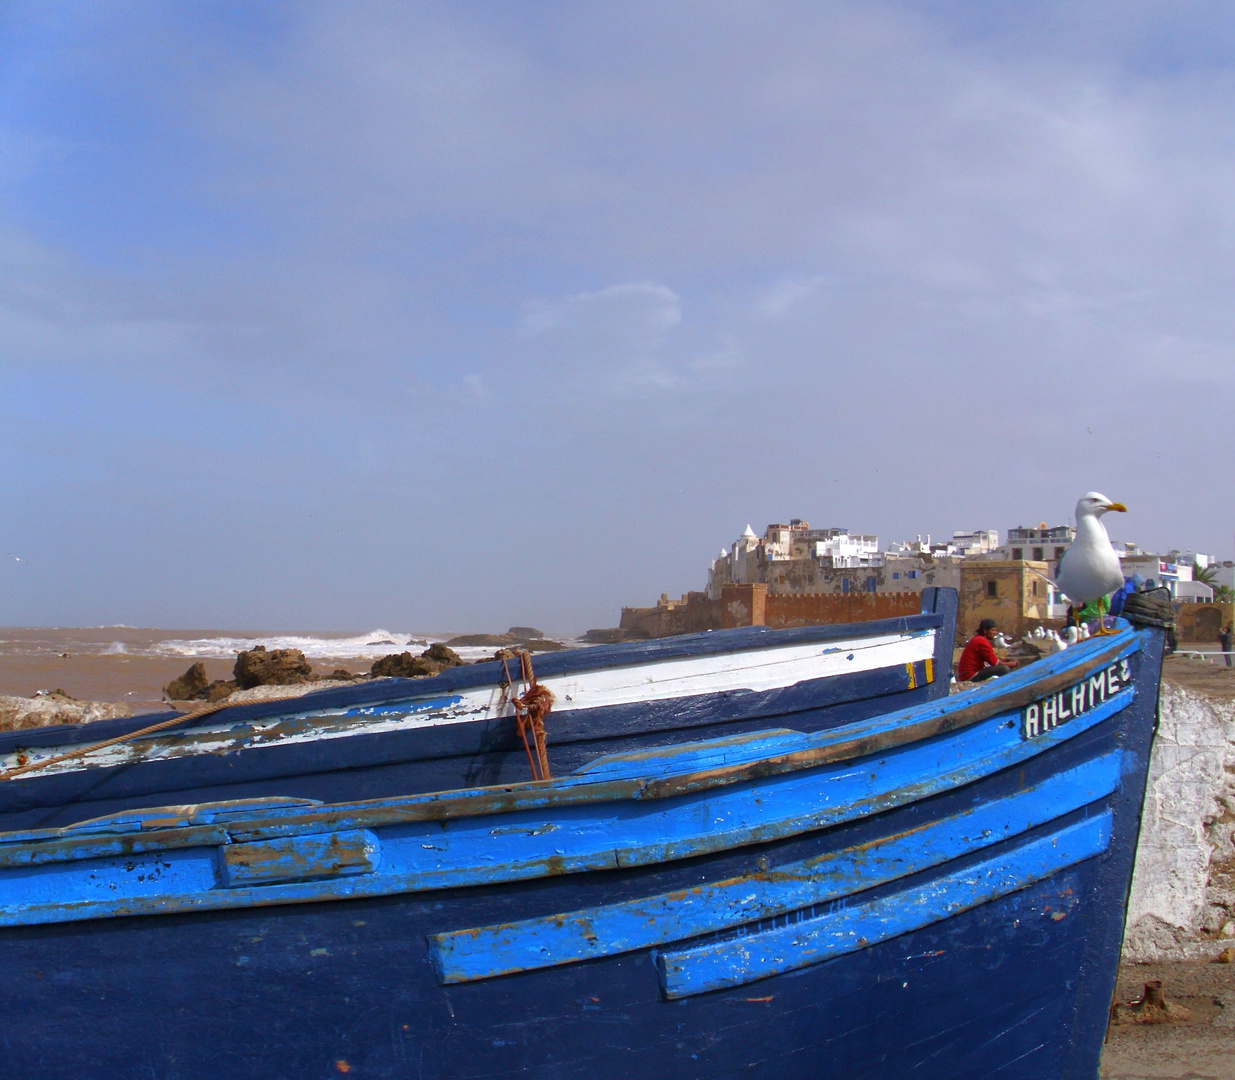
<point>1182,905</point>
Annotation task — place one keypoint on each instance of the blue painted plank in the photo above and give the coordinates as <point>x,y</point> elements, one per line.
<point>534,794</point>
<point>692,758</point>
<point>299,858</point>
<point>704,754</point>
<point>1007,988</point>
<point>532,844</point>
<point>748,958</point>
<point>487,951</point>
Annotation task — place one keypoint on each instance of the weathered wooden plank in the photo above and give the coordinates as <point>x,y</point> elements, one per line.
<point>568,937</point>
<point>741,960</point>
<point>593,689</point>
<point>831,747</point>
<point>299,858</point>
<point>419,856</point>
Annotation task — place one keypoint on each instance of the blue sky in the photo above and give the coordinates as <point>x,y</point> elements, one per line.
<point>452,316</point>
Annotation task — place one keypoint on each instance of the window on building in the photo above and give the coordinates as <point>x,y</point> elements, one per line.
<point>913,573</point>
<point>1037,554</point>
<point>870,584</point>
<point>992,588</point>
<point>1059,552</point>
<point>844,584</point>
<point>1034,587</point>
<point>896,575</point>
<point>1018,553</point>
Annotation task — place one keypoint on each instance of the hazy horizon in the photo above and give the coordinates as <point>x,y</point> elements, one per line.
<point>474,315</point>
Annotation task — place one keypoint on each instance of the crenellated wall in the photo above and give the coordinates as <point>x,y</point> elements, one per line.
<point>753,605</point>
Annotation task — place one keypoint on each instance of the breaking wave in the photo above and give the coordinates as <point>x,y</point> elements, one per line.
<point>359,647</point>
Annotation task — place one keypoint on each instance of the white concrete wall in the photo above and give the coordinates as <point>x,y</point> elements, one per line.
<point>1182,904</point>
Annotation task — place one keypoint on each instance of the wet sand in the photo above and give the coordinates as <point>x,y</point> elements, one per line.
<point>127,664</point>
<point>1202,1048</point>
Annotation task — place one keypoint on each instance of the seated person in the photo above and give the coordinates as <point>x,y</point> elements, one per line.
<point>979,660</point>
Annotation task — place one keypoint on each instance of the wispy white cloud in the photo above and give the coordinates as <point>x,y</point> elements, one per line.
<point>822,227</point>
<point>636,311</point>
<point>777,301</point>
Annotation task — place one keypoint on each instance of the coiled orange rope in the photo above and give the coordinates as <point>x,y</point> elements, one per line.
<point>531,707</point>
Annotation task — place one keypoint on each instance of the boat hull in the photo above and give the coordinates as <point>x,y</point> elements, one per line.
<point>966,866</point>
<point>398,736</point>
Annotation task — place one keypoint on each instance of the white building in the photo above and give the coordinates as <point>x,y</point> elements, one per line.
<point>979,542</point>
<point>749,558</point>
<point>1172,570</point>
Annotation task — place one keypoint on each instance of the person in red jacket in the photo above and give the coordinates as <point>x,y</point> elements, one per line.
<point>979,660</point>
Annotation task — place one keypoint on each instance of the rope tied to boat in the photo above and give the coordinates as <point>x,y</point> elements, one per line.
<point>531,707</point>
<point>82,751</point>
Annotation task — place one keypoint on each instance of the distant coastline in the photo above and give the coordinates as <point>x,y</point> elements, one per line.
<point>131,665</point>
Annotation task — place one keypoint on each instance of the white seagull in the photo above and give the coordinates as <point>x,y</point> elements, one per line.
<point>1090,569</point>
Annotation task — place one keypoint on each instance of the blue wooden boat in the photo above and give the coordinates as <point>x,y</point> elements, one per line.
<point>934,892</point>
<point>458,729</point>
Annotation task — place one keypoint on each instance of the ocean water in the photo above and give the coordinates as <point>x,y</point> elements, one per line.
<point>133,664</point>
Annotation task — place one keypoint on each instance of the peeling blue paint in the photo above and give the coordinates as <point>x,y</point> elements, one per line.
<point>484,952</point>
<point>967,929</point>
<point>746,959</point>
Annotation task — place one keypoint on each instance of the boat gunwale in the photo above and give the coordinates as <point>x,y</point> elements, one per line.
<point>74,842</point>
<point>470,676</point>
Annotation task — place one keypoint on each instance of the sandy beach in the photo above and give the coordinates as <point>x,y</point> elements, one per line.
<point>132,665</point>
<point>1200,1048</point>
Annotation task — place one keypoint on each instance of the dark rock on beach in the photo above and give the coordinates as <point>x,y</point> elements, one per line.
<point>191,684</point>
<point>442,654</point>
<point>219,689</point>
<point>472,641</point>
<point>539,643</point>
<point>278,667</point>
<point>612,636</point>
<point>403,666</point>
<point>437,657</point>
<point>195,685</point>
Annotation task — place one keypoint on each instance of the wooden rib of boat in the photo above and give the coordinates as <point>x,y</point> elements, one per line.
<point>936,892</point>
<point>402,736</point>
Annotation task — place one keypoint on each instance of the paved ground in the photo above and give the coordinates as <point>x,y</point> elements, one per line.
<point>1216,680</point>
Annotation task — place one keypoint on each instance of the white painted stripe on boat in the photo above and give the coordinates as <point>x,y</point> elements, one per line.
<point>755,670</point>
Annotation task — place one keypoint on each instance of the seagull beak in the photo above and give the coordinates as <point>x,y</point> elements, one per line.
<point>1117,506</point>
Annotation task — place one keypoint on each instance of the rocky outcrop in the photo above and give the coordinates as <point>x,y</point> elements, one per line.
<point>612,635</point>
<point>220,689</point>
<point>442,654</point>
<point>403,666</point>
<point>436,658</point>
<point>190,685</point>
<point>506,641</point>
<point>56,707</point>
<point>260,666</point>
<point>525,633</point>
